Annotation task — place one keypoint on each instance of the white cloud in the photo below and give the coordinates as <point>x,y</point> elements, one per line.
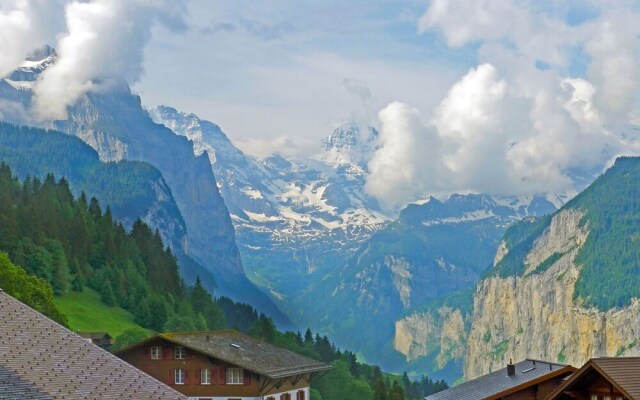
<point>104,41</point>
<point>408,159</point>
<point>615,66</point>
<point>24,26</point>
<point>510,127</point>
<point>282,145</point>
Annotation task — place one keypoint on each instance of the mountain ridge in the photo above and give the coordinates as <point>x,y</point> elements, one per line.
<point>114,123</point>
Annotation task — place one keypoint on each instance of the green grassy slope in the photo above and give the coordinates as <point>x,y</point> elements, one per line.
<point>87,313</point>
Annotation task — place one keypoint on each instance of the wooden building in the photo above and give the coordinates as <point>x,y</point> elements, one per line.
<point>42,360</point>
<point>606,378</point>
<point>224,365</point>
<point>526,380</point>
<point>101,339</point>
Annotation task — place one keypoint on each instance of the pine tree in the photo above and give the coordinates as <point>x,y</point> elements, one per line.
<point>308,337</point>
<point>380,390</point>
<point>106,294</point>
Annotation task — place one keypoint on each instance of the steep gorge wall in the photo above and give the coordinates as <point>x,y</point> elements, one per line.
<point>441,331</point>
<point>535,316</point>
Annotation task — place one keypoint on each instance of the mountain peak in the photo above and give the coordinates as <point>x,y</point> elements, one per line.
<point>42,53</point>
<point>347,136</point>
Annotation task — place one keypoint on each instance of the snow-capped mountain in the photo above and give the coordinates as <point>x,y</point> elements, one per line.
<point>293,219</point>
<point>305,228</point>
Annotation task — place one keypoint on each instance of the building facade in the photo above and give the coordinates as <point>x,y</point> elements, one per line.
<point>224,365</point>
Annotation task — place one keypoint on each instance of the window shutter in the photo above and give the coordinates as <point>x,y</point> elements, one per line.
<point>186,376</point>
<point>170,379</point>
<point>147,353</point>
<point>214,376</point>
<point>246,378</point>
<point>223,376</point>
<point>198,377</point>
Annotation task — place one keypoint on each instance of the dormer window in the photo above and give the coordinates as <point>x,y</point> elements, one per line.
<point>156,353</point>
<point>179,353</point>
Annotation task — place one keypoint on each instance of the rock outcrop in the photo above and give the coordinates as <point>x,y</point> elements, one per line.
<point>441,332</point>
<point>535,315</point>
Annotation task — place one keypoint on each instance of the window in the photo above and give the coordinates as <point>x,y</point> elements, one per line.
<point>271,398</point>
<point>205,377</point>
<point>285,396</point>
<point>300,395</point>
<point>156,353</point>
<point>606,398</point>
<point>179,376</point>
<point>234,376</point>
<point>180,353</point>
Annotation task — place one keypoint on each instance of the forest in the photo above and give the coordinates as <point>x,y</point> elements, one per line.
<point>52,242</point>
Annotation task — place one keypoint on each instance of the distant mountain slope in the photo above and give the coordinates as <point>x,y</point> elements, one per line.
<point>566,287</point>
<point>430,252</point>
<point>114,123</point>
<point>132,189</point>
<point>295,220</point>
<point>307,230</point>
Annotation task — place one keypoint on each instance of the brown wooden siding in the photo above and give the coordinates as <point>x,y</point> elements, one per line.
<point>162,370</point>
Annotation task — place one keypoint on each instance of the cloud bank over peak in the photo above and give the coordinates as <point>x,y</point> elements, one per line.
<point>104,41</point>
<point>551,99</point>
<point>24,26</point>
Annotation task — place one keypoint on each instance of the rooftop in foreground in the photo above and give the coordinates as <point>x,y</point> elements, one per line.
<point>40,359</point>
<point>500,383</point>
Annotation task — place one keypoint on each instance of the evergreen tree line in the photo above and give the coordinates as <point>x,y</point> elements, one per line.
<point>72,243</point>
<point>66,244</point>
<point>349,378</point>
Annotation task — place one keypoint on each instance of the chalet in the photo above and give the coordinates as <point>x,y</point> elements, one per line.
<point>528,379</point>
<point>602,379</point>
<point>224,365</point>
<point>102,339</point>
<point>40,359</point>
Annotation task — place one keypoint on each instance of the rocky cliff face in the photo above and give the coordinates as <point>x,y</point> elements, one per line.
<point>442,332</point>
<point>534,315</point>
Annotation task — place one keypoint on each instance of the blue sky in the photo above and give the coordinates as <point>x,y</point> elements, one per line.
<point>278,68</point>
<point>493,96</point>
<point>264,70</point>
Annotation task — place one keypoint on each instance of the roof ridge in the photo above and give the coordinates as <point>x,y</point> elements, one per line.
<point>543,361</point>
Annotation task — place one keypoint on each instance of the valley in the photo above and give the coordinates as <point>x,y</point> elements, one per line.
<point>447,286</point>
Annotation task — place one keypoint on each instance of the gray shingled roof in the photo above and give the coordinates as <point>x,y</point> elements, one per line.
<point>498,381</point>
<point>40,359</point>
<point>244,351</point>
